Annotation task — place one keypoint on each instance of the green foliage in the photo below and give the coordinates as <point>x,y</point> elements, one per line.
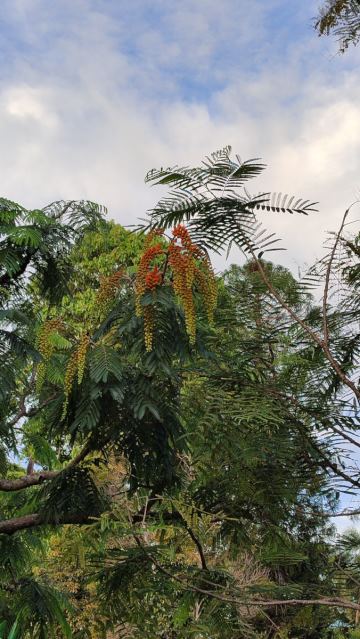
<point>73,493</point>
<point>172,493</point>
<point>217,215</point>
<point>40,610</point>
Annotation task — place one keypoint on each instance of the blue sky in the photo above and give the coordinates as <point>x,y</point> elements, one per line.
<point>96,92</point>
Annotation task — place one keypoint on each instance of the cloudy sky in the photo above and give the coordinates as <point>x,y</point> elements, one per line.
<point>96,92</point>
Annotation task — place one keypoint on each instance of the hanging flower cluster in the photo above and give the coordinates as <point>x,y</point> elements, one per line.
<point>46,347</point>
<point>75,367</point>
<point>81,356</point>
<point>44,343</point>
<point>182,262</point>
<point>147,280</point>
<point>206,282</point>
<point>148,315</point>
<point>109,285</point>
<point>153,278</point>
<point>190,269</point>
<point>70,375</point>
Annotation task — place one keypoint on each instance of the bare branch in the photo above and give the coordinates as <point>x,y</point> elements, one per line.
<point>343,513</point>
<point>315,415</point>
<point>197,544</point>
<point>327,279</point>
<point>11,526</point>
<point>9,485</point>
<point>22,412</point>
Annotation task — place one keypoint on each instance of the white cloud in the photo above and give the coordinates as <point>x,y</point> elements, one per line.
<point>27,103</point>
<point>118,90</point>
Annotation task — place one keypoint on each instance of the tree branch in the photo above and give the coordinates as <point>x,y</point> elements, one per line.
<point>11,526</point>
<point>314,414</point>
<point>22,412</point>
<point>314,336</point>
<point>343,513</point>
<point>254,603</point>
<point>333,466</point>
<point>9,485</point>
<point>197,544</point>
<point>327,280</point>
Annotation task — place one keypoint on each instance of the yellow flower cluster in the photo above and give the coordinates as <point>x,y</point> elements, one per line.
<point>76,366</point>
<point>81,356</point>
<point>107,290</point>
<point>191,266</point>
<point>206,283</point>
<point>70,374</point>
<point>183,267</point>
<point>46,347</point>
<point>148,313</point>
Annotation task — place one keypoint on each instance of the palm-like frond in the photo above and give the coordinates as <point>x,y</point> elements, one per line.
<point>72,492</point>
<point>341,17</point>
<point>41,609</point>
<point>38,238</point>
<point>77,215</point>
<point>207,198</point>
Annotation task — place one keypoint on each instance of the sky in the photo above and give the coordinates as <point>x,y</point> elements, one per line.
<point>94,93</point>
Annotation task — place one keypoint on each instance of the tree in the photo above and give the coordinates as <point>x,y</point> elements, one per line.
<point>185,441</point>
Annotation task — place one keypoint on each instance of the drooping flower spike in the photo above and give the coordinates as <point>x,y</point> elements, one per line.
<point>186,267</point>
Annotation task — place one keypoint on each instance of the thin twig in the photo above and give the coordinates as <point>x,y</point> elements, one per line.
<point>334,603</point>
<point>197,544</point>
<point>327,277</point>
<point>22,412</point>
<point>314,336</point>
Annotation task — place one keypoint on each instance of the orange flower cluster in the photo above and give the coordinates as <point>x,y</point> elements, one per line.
<point>150,253</point>
<point>180,232</point>
<point>190,267</point>
<point>151,236</point>
<point>147,279</point>
<point>107,290</point>
<point>153,278</point>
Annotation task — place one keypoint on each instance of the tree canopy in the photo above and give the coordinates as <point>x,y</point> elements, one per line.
<point>174,442</point>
